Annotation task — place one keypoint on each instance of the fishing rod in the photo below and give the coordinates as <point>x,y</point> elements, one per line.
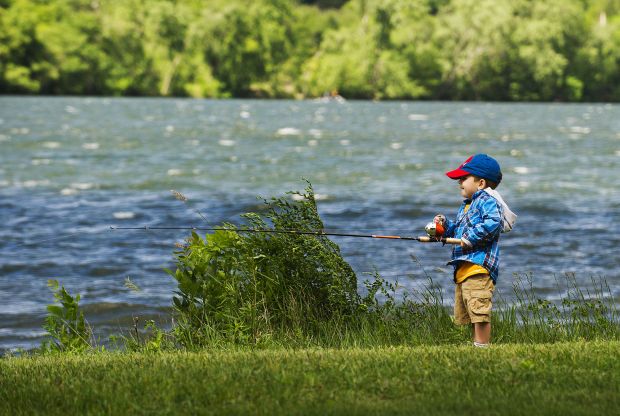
<point>423,239</point>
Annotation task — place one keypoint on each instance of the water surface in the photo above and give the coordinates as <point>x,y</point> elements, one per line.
<point>72,167</point>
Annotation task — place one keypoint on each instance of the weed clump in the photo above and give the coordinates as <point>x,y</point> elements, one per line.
<point>65,326</point>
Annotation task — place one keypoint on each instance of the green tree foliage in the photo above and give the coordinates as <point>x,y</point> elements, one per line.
<point>361,59</point>
<point>566,50</point>
<point>597,62</point>
<point>22,54</point>
<point>251,44</point>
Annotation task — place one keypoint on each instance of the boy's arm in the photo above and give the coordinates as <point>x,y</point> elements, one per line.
<point>488,228</point>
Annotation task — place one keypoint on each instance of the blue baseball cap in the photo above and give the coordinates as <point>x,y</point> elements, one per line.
<point>480,165</point>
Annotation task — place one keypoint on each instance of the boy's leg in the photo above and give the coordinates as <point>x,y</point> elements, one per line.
<point>477,293</point>
<point>482,332</point>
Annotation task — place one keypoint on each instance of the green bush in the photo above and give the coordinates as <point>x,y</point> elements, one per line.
<point>244,285</point>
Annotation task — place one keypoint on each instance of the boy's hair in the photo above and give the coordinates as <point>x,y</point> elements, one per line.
<point>491,184</point>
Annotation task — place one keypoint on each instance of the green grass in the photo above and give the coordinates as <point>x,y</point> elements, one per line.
<point>509,379</point>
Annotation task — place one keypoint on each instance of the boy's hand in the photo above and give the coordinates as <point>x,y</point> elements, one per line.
<point>465,243</point>
<point>440,219</point>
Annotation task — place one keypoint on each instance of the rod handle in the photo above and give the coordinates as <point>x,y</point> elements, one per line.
<point>425,239</point>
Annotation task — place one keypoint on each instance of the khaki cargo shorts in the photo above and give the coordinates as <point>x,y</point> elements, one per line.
<point>472,299</point>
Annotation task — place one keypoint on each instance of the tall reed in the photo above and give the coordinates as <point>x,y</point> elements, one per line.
<point>590,314</point>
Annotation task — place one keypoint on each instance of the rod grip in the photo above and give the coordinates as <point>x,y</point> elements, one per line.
<point>425,239</point>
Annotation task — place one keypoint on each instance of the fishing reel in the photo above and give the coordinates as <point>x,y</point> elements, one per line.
<point>434,229</point>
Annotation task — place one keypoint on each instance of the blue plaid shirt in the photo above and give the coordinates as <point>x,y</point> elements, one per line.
<point>481,225</point>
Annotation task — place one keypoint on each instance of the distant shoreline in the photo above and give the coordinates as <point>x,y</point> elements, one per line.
<point>309,99</point>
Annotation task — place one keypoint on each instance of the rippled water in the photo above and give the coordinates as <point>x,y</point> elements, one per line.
<point>72,167</point>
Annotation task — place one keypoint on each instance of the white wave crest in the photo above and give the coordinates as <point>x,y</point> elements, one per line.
<point>226,142</point>
<point>124,215</point>
<point>288,131</point>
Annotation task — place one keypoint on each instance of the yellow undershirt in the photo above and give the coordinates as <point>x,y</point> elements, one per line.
<point>466,269</point>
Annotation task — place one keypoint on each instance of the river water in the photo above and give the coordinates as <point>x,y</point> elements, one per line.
<point>72,167</point>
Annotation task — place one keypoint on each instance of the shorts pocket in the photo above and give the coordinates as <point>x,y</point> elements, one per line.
<point>480,302</point>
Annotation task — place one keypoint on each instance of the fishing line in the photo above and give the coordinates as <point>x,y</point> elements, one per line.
<point>61,237</point>
<point>49,239</point>
<point>423,239</point>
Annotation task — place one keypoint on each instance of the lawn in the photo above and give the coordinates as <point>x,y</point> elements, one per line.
<point>508,379</point>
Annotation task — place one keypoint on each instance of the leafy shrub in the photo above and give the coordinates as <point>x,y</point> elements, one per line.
<point>244,285</point>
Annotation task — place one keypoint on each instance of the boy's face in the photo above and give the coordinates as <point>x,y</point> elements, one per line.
<point>470,185</point>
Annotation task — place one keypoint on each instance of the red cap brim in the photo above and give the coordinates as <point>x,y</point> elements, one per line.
<point>457,173</point>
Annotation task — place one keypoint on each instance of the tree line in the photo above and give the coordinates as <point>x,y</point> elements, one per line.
<point>501,50</point>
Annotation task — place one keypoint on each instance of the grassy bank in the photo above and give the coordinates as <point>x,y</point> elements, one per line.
<point>562,378</point>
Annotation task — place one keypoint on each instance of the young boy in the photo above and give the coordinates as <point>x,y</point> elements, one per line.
<point>479,223</point>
